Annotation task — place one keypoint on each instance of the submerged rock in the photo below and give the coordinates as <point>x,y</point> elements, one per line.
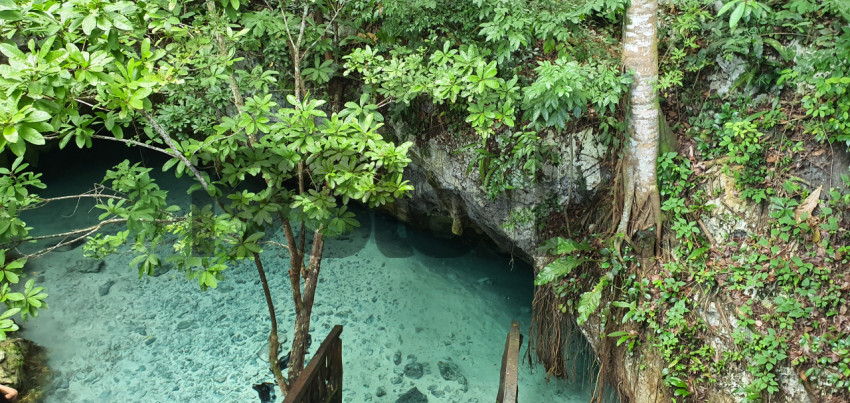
<point>103,290</point>
<point>414,370</point>
<point>265,391</point>
<point>86,265</point>
<point>451,372</point>
<point>413,396</point>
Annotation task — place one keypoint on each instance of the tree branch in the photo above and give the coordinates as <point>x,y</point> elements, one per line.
<point>167,139</point>
<point>125,141</point>
<point>307,50</point>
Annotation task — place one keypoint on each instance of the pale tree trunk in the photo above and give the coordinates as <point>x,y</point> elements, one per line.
<point>641,204</point>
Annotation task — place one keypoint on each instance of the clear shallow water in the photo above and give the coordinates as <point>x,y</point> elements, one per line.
<point>397,292</point>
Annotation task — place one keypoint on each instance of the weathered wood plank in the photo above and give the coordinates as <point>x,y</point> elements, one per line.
<point>508,384</point>
<point>321,380</point>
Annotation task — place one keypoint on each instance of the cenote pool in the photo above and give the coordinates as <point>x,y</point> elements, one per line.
<point>403,296</point>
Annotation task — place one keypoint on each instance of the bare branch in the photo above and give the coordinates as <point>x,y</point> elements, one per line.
<point>125,141</point>
<point>80,196</point>
<point>275,244</point>
<point>301,30</point>
<point>330,22</point>
<point>74,232</point>
<point>286,23</point>
<point>175,150</point>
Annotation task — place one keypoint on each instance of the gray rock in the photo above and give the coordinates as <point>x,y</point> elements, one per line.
<point>397,357</point>
<point>414,370</point>
<point>160,270</point>
<point>449,371</point>
<point>413,396</point>
<point>88,266</point>
<point>396,380</point>
<point>150,340</point>
<point>381,392</point>
<point>436,392</point>
<point>184,324</point>
<point>103,290</point>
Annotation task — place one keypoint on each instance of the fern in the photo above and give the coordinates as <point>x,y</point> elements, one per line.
<point>590,301</point>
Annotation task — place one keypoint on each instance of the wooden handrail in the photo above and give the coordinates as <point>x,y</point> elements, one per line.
<point>321,380</point>
<point>508,385</point>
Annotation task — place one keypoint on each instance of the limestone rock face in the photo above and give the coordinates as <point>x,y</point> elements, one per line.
<point>448,195</point>
<point>23,366</point>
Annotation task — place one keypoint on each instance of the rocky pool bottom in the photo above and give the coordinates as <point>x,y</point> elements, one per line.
<point>422,316</point>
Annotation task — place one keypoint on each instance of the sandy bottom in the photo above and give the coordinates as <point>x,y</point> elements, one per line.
<point>407,301</point>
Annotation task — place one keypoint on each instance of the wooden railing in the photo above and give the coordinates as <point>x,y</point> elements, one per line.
<point>510,367</point>
<point>321,381</point>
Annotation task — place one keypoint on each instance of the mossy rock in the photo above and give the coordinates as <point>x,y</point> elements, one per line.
<point>23,366</point>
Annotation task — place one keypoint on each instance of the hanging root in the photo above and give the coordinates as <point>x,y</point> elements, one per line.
<point>546,332</point>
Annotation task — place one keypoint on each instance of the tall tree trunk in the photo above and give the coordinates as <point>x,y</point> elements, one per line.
<point>641,203</point>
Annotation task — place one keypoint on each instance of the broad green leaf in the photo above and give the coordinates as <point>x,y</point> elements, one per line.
<point>589,302</point>
<point>12,51</point>
<point>10,133</point>
<point>89,24</point>
<point>37,115</point>
<point>121,22</point>
<point>736,15</point>
<point>558,269</point>
<point>31,135</point>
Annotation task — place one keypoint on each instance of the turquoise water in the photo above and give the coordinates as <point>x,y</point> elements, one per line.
<point>405,298</point>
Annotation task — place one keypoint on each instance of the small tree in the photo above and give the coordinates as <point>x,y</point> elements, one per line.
<point>91,65</point>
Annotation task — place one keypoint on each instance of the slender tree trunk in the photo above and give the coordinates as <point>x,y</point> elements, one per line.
<point>302,318</point>
<point>274,344</point>
<point>641,203</point>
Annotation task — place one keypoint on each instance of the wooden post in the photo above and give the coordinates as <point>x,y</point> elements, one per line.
<point>508,385</point>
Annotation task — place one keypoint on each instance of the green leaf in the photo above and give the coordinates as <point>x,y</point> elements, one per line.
<point>15,296</point>
<point>38,116</point>
<point>736,15</point>
<point>558,269</point>
<point>10,132</point>
<point>9,313</point>
<point>12,277</point>
<point>168,164</point>
<point>146,48</point>
<point>89,24</point>
<point>726,7</point>
<point>589,302</point>
<point>121,22</point>
<point>31,135</point>
<point>12,51</point>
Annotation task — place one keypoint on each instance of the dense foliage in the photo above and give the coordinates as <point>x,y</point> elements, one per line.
<point>276,111</point>
<point>783,105</point>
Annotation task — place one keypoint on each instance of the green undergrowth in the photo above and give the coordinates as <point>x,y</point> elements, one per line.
<point>783,289</point>
<point>778,288</point>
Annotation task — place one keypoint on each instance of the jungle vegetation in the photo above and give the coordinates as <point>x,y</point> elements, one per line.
<point>280,112</point>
